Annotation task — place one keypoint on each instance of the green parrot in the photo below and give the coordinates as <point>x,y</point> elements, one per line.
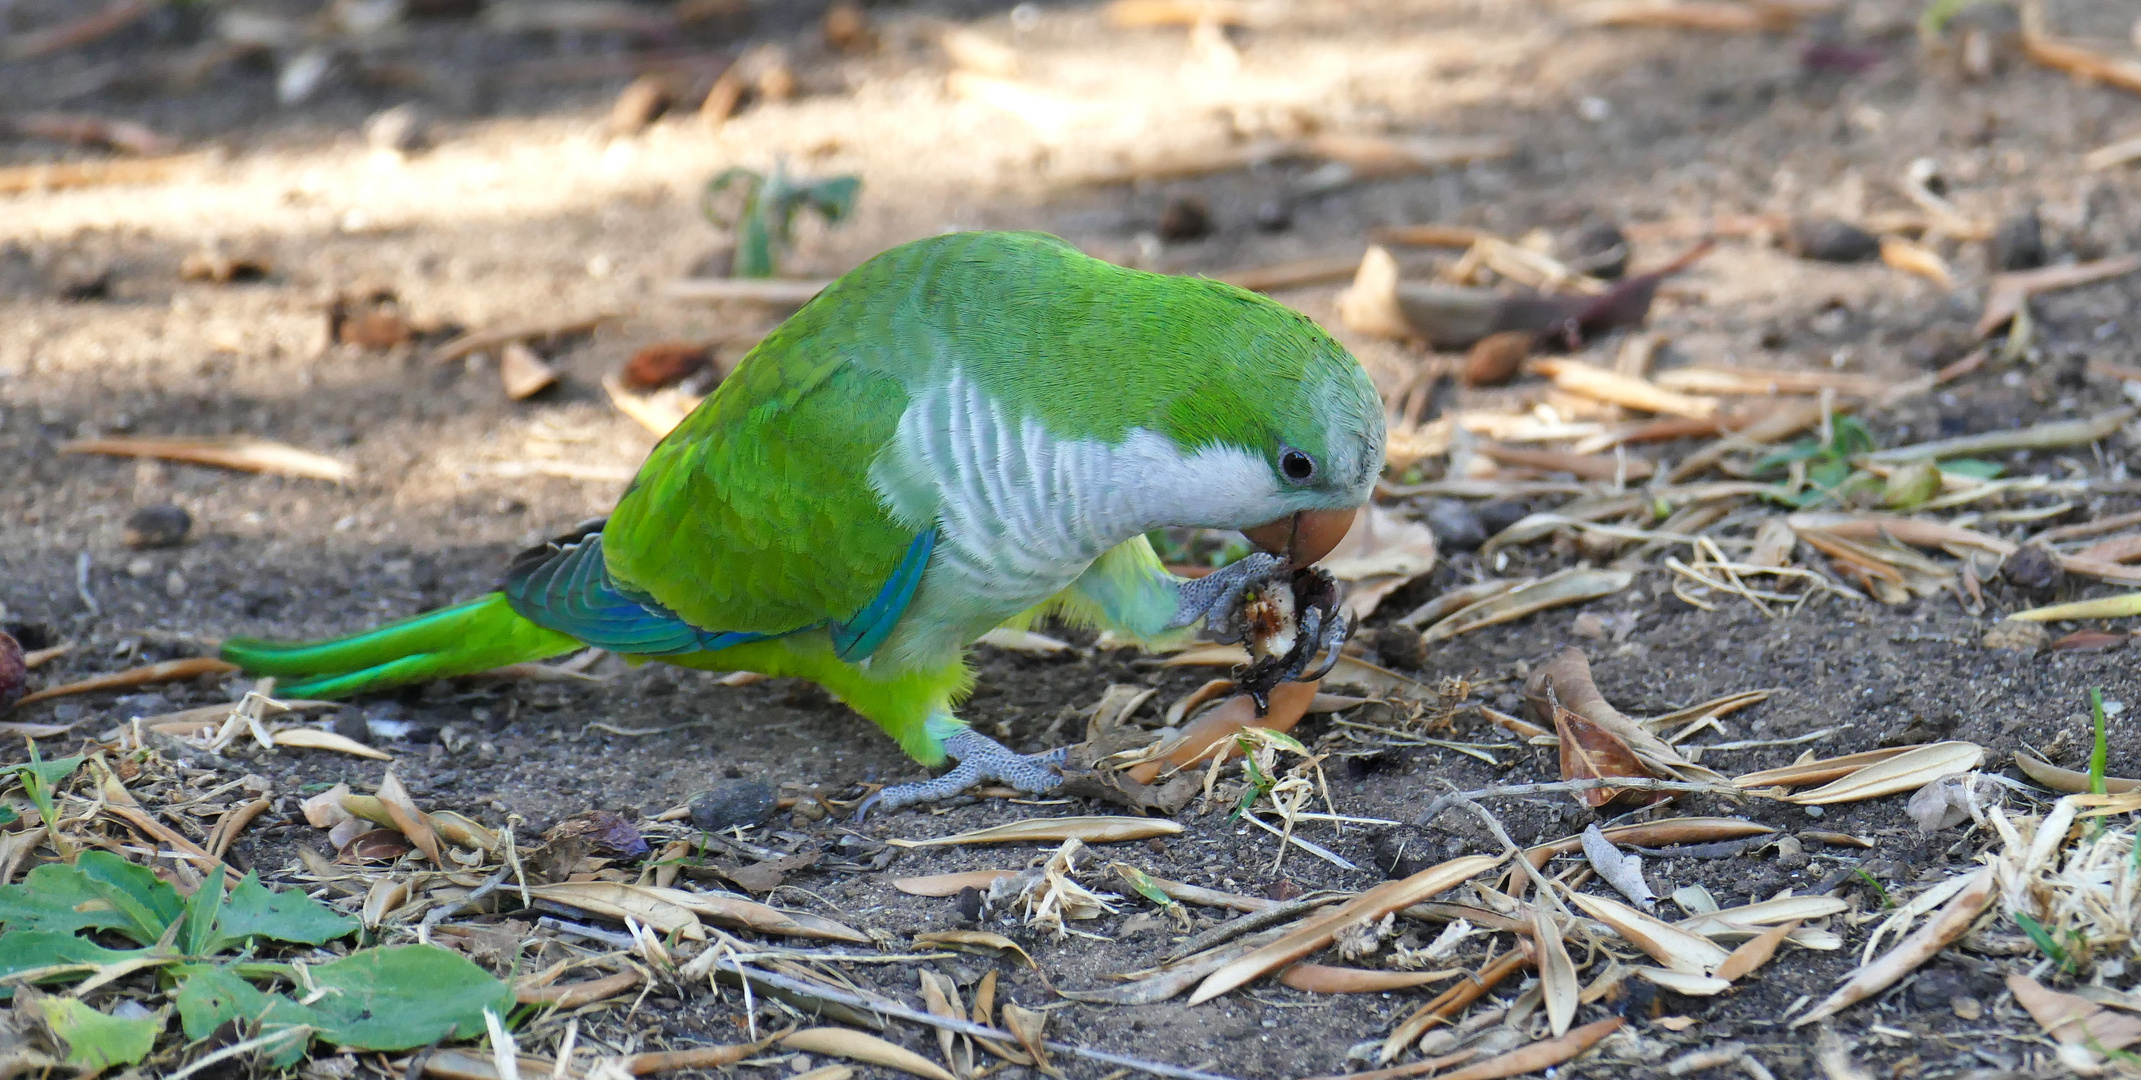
<point>963,432</point>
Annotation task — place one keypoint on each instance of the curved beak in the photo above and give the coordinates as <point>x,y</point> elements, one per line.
<point>1305,537</point>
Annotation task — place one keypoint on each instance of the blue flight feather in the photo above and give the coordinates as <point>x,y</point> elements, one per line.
<point>861,634</point>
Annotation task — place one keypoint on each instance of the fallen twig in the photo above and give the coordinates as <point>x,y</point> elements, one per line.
<point>1630,783</point>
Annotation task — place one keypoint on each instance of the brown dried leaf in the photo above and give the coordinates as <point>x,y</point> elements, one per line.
<point>1569,672</point>
<point>1752,954</point>
<point>2073,1019</point>
<point>572,995</point>
<point>1321,929</point>
<point>408,819</point>
<point>1558,984</point>
<point>1590,752</point>
<point>1908,771</point>
<point>651,906</point>
<point>1802,774</point>
<point>1092,830</point>
<point>376,845</point>
<point>381,900</point>
<point>305,738</point>
<point>1216,727</point>
<point>1666,943</point>
<point>1324,979</point>
<point>1539,1056</point>
<point>1572,586</point>
<point>240,452</point>
<point>2068,780</point>
<point>1031,1027</point>
<point>950,884</point>
<point>869,1049</point>
<point>522,373</point>
<point>1953,920</point>
<point>167,671</point>
<point>975,941</point>
<point>325,810</point>
<point>2010,291</point>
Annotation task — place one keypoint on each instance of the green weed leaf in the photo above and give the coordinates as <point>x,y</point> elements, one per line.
<point>253,910</point>
<point>99,892</point>
<point>31,950</point>
<point>97,1041</point>
<point>397,997</point>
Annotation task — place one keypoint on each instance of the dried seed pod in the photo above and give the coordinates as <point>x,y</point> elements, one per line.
<point>665,363</point>
<point>2018,244</point>
<point>1496,358</point>
<point>2032,567</point>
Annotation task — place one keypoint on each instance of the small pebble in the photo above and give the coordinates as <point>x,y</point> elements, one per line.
<point>1815,812</point>
<point>730,803</point>
<point>1829,240</point>
<point>1600,250</point>
<point>969,901</point>
<point>161,525</point>
<point>351,724</point>
<point>1274,215</point>
<point>1400,647</point>
<point>1457,527</point>
<point>2032,567</point>
<point>401,130</point>
<point>1500,514</point>
<point>2016,635</point>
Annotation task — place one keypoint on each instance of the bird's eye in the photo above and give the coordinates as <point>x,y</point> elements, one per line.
<point>1297,466</point>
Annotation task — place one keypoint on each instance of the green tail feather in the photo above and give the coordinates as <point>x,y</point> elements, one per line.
<point>481,634</point>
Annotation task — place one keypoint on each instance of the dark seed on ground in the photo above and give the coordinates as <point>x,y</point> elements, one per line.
<point>1829,240</point>
<point>161,525</point>
<point>2032,567</point>
<point>1401,647</point>
<point>2018,244</point>
<point>1600,250</point>
<point>1457,527</point>
<point>1185,217</point>
<point>731,803</point>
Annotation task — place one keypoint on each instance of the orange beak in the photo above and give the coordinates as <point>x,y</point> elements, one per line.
<point>1305,537</point>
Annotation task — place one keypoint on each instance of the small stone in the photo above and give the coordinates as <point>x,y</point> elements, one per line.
<point>132,705</point>
<point>1815,812</point>
<point>351,724</point>
<point>969,902</point>
<point>641,104</point>
<point>2018,244</point>
<point>1829,240</point>
<point>1791,854</point>
<point>1501,513</point>
<point>1600,250</point>
<point>1399,854</point>
<point>1457,527</point>
<point>1185,217</point>
<point>2016,635</point>
<point>731,803</point>
<point>1966,1008</point>
<point>2032,567</point>
<point>402,129</point>
<point>157,526</point>
<point>606,832</point>
<point>1274,215</point>
<point>1400,647</point>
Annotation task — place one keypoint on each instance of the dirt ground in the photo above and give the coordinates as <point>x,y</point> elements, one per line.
<point>523,207</point>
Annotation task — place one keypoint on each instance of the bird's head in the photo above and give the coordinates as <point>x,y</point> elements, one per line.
<point>1294,414</point>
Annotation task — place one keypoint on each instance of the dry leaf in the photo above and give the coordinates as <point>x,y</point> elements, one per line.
<point>1031,1027</point>
<point>2104,607</point>
<point>315,739</point>
<point>408,819</point>
<point>1953,921</point>
<point>522,373</point>
<point>2073,1019</point>
<point>973,940</point>
<point>1572,586</point>
<point>1324,979</point>
<point>1569,673</point>
<point>1590,752</point>
<point>1667,944</point>
<point>950,884</point>
<point>167,671</point>
<point>1689,983</point>
<point>1321,929</point>
<point>1905,772</point>
<point>2010,291</point>
<point>1916,258</point>
<point>384,897</point>
<point>1539,1056</point>
<point>231,452</point>
<point>1755,952</point>
<point>2069,781</point>
<point>1804,773</point>
<point>1558,984</point>
<point>325,810</point>
<point>1216,727</point>
<point>869,1049</point>
<point>735,911</point>
<point>1457,599</point>
<point>575,994</point>
<point>1092,830</point>
<point>620,901</point>
<point>1600,384</point>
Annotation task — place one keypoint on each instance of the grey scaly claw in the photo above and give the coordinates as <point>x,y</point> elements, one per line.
<point>1331,642</point>
<point>981,759</point>
<point>1216,597</point>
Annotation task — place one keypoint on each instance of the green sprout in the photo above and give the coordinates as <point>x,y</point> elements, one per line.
<point>765,223</point>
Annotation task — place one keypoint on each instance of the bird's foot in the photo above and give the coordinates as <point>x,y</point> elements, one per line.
<point>1323,627</point>
<point>1217,597</point>
<point>981,759</point>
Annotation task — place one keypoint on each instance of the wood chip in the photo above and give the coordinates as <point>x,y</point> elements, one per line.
<point>1323,979</point>
<point>950,884</point>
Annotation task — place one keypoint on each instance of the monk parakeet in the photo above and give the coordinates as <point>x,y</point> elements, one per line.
<point>962,432</point>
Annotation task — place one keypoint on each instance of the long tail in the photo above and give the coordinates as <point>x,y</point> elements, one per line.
<point>481,634</point>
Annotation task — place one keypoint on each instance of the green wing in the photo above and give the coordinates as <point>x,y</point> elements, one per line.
<point>756,514</point>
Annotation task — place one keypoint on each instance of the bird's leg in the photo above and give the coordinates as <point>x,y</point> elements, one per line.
<point>1216,597</point>
<point>981,759</point>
